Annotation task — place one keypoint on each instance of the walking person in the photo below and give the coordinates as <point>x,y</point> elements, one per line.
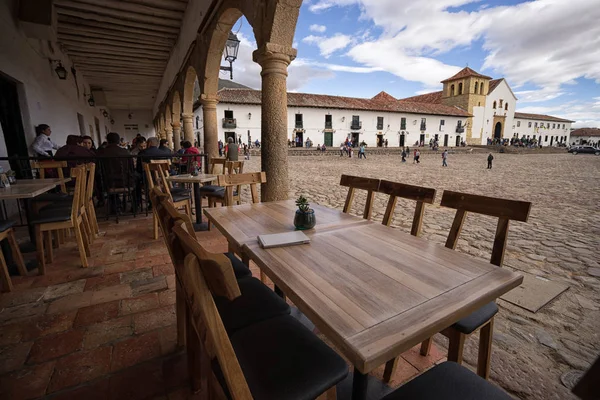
<point>361,152</point>
<point>445,158</point>
<point>403,155</point>
<point>417,157</point>
<point>220,144</point>
<point>342,148</point>
<point>490,159</point>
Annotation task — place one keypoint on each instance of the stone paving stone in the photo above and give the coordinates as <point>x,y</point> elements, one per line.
<point>154,319</point>
<point>135,350</point>
<point>97,313</point>
<point>167,297</point>
<point>119,267</point>
<point>47,325</point>
<point>163,269</point>
<point>17,298</point>
<point>101,282</point>
<point>110,293</point>
<point>69,303</point>
<point>107,331</point>
<point>13,357</point>
<point>80,367</point>
<point>64,289</point>
<point>27,383</point>
<point>150,285</point>
<point>50,347</point>
<point>11,334</point>
<point>22,312</point>
<point>139,304</point>
<point>140,382</point>
<point>149,261</point>
<point>140,274</point>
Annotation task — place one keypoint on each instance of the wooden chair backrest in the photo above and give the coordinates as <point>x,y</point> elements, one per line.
<point>419,194</point>
<point>79,174</point>
<point>206,320</point>
<point>250,178</point>
<point>156,175</point>
<point>234,167</point>
<point>90,169</point>
<point>214,163</point>
<point>357,182</point>
<point>504,210</point>
<point>41,166</point>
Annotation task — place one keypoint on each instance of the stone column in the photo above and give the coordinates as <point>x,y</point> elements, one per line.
<point>274,60</point>
<point>188,127</point>
<point>176,134</point>
<point>169,132</point>
<point>211,129</point>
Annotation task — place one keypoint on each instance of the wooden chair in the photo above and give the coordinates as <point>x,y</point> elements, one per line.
<point>356,182</point>
<point>42,166</point>
<point>52,219</point>
<point>419,194</point>
<point>6,232</point>
<point>482,319</point>
<point>277,344</point>
<point>238,180</point>
<point>89,198</point>
<point>156,175</point>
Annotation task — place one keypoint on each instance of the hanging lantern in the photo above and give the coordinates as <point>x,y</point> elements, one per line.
<point>61,71</point>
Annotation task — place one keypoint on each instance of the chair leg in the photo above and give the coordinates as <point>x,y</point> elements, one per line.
<point>330,394</point>
<point>48,246</point>
<point>390,369</point>
<point>87,228</point>
<point>61,237</point>
<point>85,237</point>
<point>39,239</point>
<point>4,276</point>
<point>456,346</point>
<point>485,349</point>
<point>155,225</point>
<point>54,239</point>
<point>16,252</point>
<point>426,346</point>
<point>94,219</point>
<point>80,244</point>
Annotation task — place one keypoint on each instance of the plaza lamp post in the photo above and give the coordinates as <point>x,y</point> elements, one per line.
<point>231,50</point>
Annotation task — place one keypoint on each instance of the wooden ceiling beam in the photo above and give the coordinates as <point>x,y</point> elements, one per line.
<point>88,32</point>
<point>120,15</point>
<point>115,21</point>
<point>83,41</point>
<point>168,5</point>
<point>99,60</point>
<point>108,27</point>
<point>116,52</point>
<point>88,70</point>
<point>126,67</point>
<point>136,8</point>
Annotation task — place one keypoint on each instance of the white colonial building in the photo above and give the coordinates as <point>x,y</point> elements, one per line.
<point>590,136</point>
<point>471,107</point>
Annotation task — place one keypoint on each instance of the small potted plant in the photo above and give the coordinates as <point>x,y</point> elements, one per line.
<point>305,216</point>
<point>10,174</point>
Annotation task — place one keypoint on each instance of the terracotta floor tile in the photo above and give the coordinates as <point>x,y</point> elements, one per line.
<point>26,383</point>
<point>72,302</point>
<point>80,367</point>
<point>64,289</point>
<point>53,346</point>
<point>166,298</point>
<point>138,274</point>
<point>404,371</point>
<point>175,371</point>
<point>135,350</point>
<point>148,261</point>
<point>183,393</point>
<point>101,282</point>
<point>420,362</point>
<point>97,390</point>
<point>12,334</point>
<point>168,339</point>
<point>154,284</point>
<point>111,293</point>
<point>171,281</point>
<point>97,313</point>
<point>139,382</point>
<point>19,297</point>
<point>107,331</point>
<point>154,319</point>
<point>163,269</point>
<point>23,312</point>
<point>48,324</point>
<point>139,304</point>
<point>13,357</point>
<point>119,267</point>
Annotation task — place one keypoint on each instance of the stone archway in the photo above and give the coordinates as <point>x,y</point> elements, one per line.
<point>175,139</point>
<point>498,130</point>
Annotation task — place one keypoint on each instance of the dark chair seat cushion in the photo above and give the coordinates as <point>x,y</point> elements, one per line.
<point>476,318</point>
<point>256,304</point>
<point>210,189</point>
<point>6,224</point>
<point>58,206</point>
<point>282,359</point>
<point>448,381</point>
<point>239,268</point>
<point>180,197</point>
<point>221,195</point>
<point>179,190</point>
<point>53,197</point>
<point>52,215</point>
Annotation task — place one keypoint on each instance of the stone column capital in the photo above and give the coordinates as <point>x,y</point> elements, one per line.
<point>176,124</point>
<point>274,53</point>
<point>208,102</point>
<point>168,129</point>
<point>186,116</point>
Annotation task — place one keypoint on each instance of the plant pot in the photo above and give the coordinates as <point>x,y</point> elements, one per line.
<point>305,219</point>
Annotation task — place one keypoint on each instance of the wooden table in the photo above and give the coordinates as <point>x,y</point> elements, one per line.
<point>374,291</point>
<point>196,180</point>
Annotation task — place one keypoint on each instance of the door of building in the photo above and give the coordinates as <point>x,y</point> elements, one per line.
<point>551,140</point>
<point>402,138</point>
<point>299,139</point>
<point>98,137</point>
<point>436,138</point>
<point>379,140</point>
<point>355,138</point>
<point>12,125</point>
<point>445,140</point>
<point>328,139</point>
<point>457,141</point>
<point>421,138</point>
<point>230,135</point>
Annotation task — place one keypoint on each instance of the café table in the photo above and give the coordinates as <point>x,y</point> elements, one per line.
<point>196,180</point>
<point>372,290</point>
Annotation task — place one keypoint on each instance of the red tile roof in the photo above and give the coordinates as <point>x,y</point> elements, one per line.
<point>464,73</point>
<point>378,103</point>
<point>541,117</point>
<point>431,98</point>
<point>493,84</point>
<point>586,132</point>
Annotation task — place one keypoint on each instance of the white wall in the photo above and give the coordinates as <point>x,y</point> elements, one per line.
<point>588,139</point>
<point>485,122</point>
<point>314,124</point>
<point>141,118</point>
<point>542,130</point>
<point>44,98</point>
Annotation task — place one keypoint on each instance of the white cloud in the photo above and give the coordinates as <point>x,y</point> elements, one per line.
<point>329,45</point>
<point>584,113</point>
<point>535,96</point>
<point>317,28</point>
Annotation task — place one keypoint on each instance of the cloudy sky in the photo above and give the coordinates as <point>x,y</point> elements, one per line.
<point>548,50</point>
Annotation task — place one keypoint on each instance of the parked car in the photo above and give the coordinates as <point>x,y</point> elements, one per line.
<point>584,150</point>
